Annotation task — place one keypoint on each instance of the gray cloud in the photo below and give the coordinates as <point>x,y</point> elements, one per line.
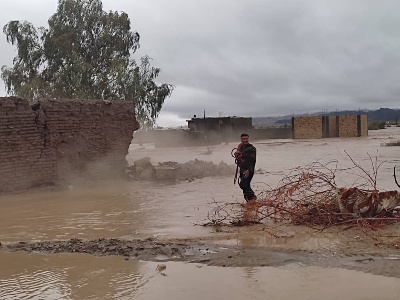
<point>259,57</point>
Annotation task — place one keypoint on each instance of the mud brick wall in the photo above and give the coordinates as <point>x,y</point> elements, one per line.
<point>333,129</point>
<point>364,125</point>
<point>330,126</point>
<point>25,160</point>
<point>307,127</point>
<point>58,139</point>
<point>348,126</point>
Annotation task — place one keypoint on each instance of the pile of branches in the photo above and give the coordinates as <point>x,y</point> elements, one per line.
<point>309,196</point>
<point>397,143</point>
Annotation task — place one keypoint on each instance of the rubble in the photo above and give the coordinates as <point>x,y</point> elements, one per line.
<point>143,169</point>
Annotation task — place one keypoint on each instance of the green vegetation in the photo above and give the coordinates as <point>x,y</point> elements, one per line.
<point>85,53</point>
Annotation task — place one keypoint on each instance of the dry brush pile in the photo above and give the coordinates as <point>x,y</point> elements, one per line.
<point>309,195</point>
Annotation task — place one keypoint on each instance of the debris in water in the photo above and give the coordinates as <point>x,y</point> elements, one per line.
<point>161,267</point>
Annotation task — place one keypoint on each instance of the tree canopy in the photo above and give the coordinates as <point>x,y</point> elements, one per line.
<point>85,53</point>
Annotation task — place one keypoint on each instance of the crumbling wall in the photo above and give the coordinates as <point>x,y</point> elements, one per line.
<point>25,158</point>
<point>307,127</point>
<point>57,139</point>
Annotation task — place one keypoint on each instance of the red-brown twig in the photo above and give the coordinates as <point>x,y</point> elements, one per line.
<point>306,196</point>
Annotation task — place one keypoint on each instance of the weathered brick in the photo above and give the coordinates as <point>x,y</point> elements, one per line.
<point>307,127</point>
<point>332,126</point>
<point>38,146</point>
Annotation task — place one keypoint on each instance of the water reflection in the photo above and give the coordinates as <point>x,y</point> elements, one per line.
<point>68,276</point>
<point>77,276</point>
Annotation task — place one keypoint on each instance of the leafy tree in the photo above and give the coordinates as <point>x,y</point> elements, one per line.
<point>85,53</point>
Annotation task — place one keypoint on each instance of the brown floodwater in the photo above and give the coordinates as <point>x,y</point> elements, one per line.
<point>109,209</point>
<point>79,276</point>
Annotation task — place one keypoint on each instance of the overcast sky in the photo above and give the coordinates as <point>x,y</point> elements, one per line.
<point>257,57</point>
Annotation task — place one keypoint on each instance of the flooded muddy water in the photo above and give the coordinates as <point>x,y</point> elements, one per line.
<point>168,211</point>
<point>80,276</point>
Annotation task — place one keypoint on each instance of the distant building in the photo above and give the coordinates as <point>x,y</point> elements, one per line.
<point>330,126</point>
<point>220,124</point>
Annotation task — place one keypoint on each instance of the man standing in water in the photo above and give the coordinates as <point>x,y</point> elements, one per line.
<point>246,161</point>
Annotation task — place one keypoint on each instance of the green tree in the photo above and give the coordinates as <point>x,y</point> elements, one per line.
<point>85,53</point>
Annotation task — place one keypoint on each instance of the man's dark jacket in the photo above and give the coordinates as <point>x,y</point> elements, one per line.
<point>248,158</point>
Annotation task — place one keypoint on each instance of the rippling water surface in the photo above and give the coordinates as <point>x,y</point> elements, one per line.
<point>77,276</point>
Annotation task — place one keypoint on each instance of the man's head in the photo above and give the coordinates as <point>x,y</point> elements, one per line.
<point>244,138</point>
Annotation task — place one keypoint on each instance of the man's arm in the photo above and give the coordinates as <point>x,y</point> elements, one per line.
<point>253,156</point>
<point>252,159</point>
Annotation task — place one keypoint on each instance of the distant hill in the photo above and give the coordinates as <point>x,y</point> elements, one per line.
<point>380,115</point>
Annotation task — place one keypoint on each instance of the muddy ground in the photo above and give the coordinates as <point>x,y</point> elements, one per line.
<point>216,255</point>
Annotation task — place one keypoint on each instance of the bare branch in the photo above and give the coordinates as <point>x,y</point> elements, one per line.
<point>309,196</point>
<point>394,175</point>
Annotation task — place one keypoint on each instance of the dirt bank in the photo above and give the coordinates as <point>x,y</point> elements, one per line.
<point>214,254</point>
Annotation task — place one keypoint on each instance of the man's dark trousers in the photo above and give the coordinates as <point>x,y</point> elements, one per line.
<point>244,184</point>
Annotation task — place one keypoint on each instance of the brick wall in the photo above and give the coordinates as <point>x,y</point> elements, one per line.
<point>331,126</point>
<point>187,138</point>
<point>364,125</point>
<point>348,126</point>
<point>57,139</point>
<point>333,129</point>
<point>307,127</point>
